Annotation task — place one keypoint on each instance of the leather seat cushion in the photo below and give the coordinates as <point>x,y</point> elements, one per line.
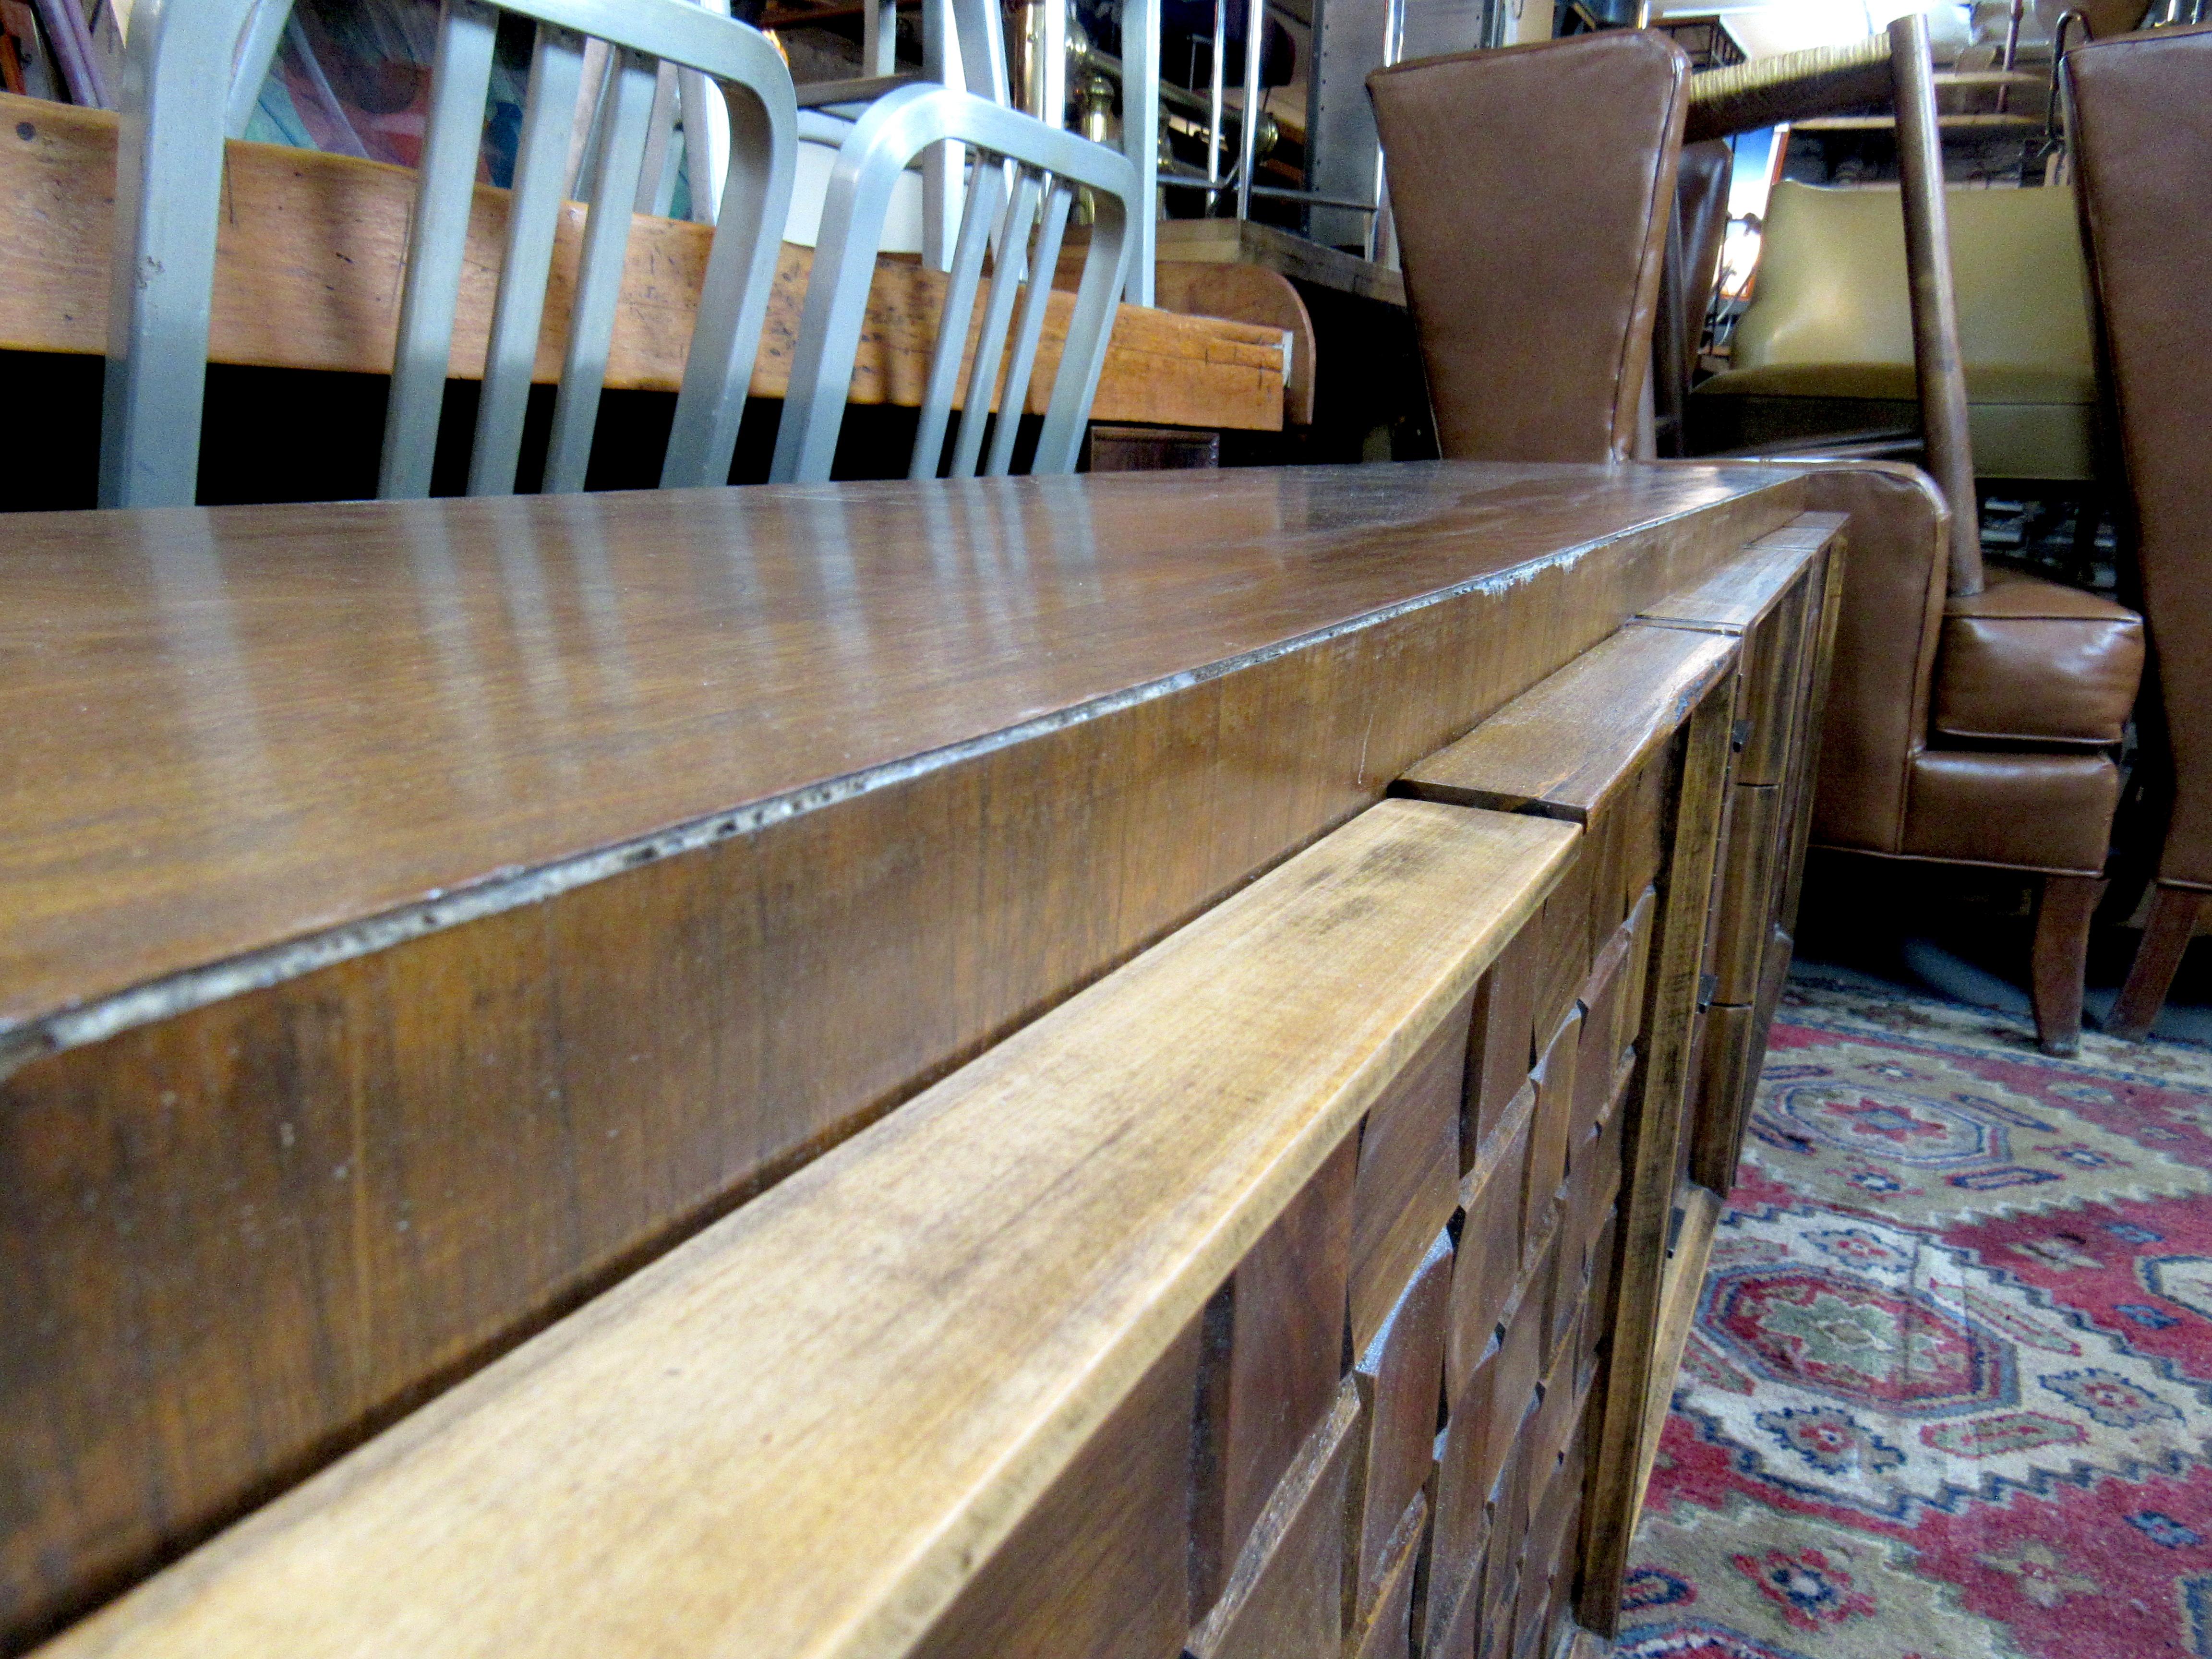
<point>2047,811</point>
<point>2029,661</point>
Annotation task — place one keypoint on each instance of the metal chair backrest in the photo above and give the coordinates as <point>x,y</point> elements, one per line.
<point>169,179</point>
<point>1022,216</point>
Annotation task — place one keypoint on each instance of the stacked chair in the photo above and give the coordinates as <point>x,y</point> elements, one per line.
<point>2143,151</point>
<point>1828,344</point>
<point>169,172</point>
<point>1969,721</point>
<point>1025,222</point>
<point>1691,275</point>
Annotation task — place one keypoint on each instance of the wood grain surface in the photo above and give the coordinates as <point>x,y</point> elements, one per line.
<point>1400,1379</point>
<point>311,250</point>
<point>1408,1180</point>
<point>1567,744</point>
<point>766,1439</point>
<point>1247,294</point>
<point>1277,1358</point>
<point>1097,1567</point>
<point>308,717</point>
<point>1655,1135</point>
<point>1736,595</point>
<point>623,853</point>
<point>1283,1598</point>
<point>1381,1633</point>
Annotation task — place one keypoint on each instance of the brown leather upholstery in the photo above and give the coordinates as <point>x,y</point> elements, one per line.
<point>1886,631</point>
<point>1530,186</point>
<point>1701,202</point>
<point>1883,788</point>
<point>1532,245</point>
<point>2026,811</point>
<point>2143,157</point>
<point>2029,661</point>
<point>1534,187</point>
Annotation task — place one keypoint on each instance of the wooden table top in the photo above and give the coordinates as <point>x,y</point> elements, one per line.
<point>245,741</point>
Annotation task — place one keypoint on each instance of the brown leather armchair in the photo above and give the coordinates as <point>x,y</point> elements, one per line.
<point>1971,731</point>
<point>2143,149</point>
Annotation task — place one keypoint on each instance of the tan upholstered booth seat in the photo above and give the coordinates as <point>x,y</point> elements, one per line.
<point>1826,345</point>
<point>2029,661</point>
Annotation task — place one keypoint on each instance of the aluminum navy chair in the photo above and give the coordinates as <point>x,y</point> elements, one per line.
<point>1021,187</point>
<point>169,179</point>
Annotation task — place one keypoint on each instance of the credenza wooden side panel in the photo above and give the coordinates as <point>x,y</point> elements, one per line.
<point>1064,1350</point>
<point>951,1388</point>
<point>247,1236</point>
<point>1679,746</point>
<point>1786,619</point>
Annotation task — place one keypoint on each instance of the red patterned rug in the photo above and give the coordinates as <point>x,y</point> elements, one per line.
<point>1949,1394</point>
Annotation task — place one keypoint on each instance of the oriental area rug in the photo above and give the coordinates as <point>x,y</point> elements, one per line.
<point>1949,1391</point>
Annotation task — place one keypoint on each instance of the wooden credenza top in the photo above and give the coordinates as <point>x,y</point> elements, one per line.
<point>246,730</point>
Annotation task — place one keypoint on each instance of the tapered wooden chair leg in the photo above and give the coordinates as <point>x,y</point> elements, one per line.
<point>2174,912</point>
<point>2061,958</point>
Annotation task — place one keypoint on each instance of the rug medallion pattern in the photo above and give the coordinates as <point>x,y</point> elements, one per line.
<point>1949,1391</point>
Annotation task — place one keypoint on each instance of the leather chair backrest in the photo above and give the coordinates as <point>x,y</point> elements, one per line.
<point>1701,208</point>
<point>1532,186</point>
<point>2143,141</point>
<point>1832,290</point>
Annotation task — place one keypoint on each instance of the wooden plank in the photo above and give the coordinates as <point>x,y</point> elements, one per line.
<point>1821,625</point>
<point>1072,1199</point>
<point>1749,889</point>
<point>1247,242</point>
<point>1735,1050</point>
<point>1500,1042</point>
<point>1400,1378</point>
<point>1728,1071</point>
<point>1382,1635</point>
<point>625,852</point>
<point>1732,598</point>
<point>1654,1144</point>
<point>1564,747</point>
<point>1555,1077</point>
<point>1603,1259</point>
<point>1408,1180</point>
<point>1683,1284</point>
<point>1564,952</point>
<point>1271,1371</point>
<point>1603,1039</point>
<point>1242,294</point>
<point>1772,700</point>
<point>610,665</point>
<point>1453,1611</point>
<point>311,252</point>
<point>1098,1567</point>
<point>1285,1598</point>
<point>1487,1269</point>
